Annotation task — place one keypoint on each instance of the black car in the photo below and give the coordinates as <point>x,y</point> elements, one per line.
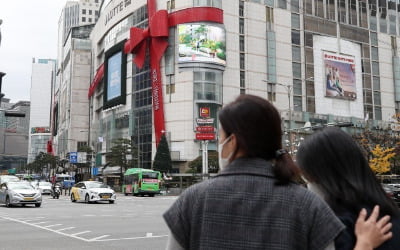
<point>393,191</point>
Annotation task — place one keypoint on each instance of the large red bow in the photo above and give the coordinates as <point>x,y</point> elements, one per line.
<point>155,36</point>
<point>157,32</point>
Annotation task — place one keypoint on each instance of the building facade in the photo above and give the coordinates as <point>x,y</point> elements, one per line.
<point>319,61</point>
<point>14,134</point>
<point>42,82</point>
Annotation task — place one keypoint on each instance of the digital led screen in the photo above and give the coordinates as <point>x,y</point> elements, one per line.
<point>202,43</point>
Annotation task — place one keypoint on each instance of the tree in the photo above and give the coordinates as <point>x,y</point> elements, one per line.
<point>380,163</point>
<point>196,165</point>
<point>118,156</point>
<point>162,160</point>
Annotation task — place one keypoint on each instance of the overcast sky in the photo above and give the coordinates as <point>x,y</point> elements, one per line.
<point>29,30</point>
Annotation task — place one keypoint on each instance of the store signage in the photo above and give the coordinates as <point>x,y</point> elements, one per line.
<point>119,7</point>
<point>204,112</point>
<point>205,136</point>
<point>205,121</point>
<point>205,129</point>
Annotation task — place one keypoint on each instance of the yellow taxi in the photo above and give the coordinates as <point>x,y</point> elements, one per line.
<point>92,191</point>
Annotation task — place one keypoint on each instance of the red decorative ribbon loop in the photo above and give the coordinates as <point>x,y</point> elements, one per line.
<point>155,36</point>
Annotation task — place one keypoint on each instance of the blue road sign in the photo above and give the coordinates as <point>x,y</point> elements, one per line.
<point>73,157</point>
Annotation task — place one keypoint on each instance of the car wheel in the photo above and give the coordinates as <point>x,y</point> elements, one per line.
<point>126,194</point>
<point>73,198</point>
<point>8,204</point>
<point>111,202</point>
<point>87,198</point>
<point>38,204</point>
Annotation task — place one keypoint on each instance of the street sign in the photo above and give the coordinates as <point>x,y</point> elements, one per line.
<point>205,121</point>
<point>205,129</point>
<point>82,157</point>
<point>95,171</point>
<point>205,136</point>
<point>73,157</point>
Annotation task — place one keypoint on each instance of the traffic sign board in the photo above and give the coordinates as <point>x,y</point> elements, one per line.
<point>205,136</point>
<point>73,157</point>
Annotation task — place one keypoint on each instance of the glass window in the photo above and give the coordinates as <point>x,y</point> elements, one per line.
<point>308,39</point>
<point>378,113</point>
<point>377,83</point>
<point>242,61</point>
<point>241,43</point>
<point>296,70</point>
<point>375,68</point>
<point>311,104</point>
<point>282,4</point>
<point>90,20</point>
<point>309,55</point>
<point>296,54</point>
<point>374,38</point>
<point>241,8</point>
<point>297,103</point>
<point>83,19</point>
<point>308,6</point>
<point>241,25</point>
<point>296,37</point>
<point>366,66</point>
<point>374,54</point>
<point>83,11</point>
<point>295,21</point>
<point>365,51</point>
<point>353,12</point>
<point>208,86</point>
<point>373,23</point>
<point>297,88</point>
<point>362,13</point>
<point>309,70</point>
<point>242,79</point>
<point>367,96</point>
<point>342,10</point>
<point>90,12</point>
<point>319,8</point>
<point>310,88</point>
<point>377,98</point>
<point>330,9</point>
<point>367,81</point>
<point>383,25</point>
<point>294,5</point>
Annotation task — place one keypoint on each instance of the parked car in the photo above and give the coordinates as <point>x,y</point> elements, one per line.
<point>44,187</point>
<point>393,192</point>
<point>92,191</point>
<point>19,193</point>
<point>6,178</point>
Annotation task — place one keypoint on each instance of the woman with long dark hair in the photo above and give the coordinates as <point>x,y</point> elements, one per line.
<point>253,202</point>
<point>336,169</point>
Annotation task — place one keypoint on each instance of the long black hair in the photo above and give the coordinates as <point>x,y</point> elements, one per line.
<point>335,162</point>
<point>257,126</point>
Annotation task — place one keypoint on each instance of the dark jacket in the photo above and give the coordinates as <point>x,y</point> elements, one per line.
<point>347,238</point>
<point>243,208</point>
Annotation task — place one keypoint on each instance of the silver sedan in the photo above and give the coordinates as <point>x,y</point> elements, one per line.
<point>19,193</point>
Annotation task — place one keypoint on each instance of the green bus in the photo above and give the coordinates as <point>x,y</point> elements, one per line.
<point>140,181</point>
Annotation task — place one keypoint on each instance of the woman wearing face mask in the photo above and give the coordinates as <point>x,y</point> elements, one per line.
<point>252,203</point>
<point>336,169</point>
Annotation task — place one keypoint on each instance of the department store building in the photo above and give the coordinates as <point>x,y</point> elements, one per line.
<point>332,61</point>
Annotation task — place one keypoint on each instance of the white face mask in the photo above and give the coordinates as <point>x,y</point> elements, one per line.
<point>223,162</point>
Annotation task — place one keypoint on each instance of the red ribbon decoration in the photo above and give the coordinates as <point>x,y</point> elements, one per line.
<point>155,37</point>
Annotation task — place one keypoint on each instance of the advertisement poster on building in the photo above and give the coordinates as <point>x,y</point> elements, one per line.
<point>340,77</point>
<point>202,43</point>
<point>114,76</point>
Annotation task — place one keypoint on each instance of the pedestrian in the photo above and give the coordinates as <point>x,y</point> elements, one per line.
<point>337,170</point>
<point>253,203</point>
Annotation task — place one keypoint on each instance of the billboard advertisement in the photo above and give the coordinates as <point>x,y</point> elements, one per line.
<point>340,77</point>
<point>201,43</point>
<point>115,77</point>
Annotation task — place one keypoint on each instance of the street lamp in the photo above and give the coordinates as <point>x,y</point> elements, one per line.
<point>289,89</point>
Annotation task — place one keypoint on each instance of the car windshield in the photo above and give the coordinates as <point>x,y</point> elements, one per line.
<point>96,185</point>
<point>9,178</point>
<point>19,185</point>
<point>44,184</point>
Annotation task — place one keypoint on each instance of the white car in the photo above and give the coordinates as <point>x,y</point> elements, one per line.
<point>6,178</point>
<point>92,191</point>
<point>19,193</point>
<point>44,187</point>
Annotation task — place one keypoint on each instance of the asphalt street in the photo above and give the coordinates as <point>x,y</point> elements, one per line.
<point>130,223</point>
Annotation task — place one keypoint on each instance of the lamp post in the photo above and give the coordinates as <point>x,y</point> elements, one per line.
<point>289,89</point>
